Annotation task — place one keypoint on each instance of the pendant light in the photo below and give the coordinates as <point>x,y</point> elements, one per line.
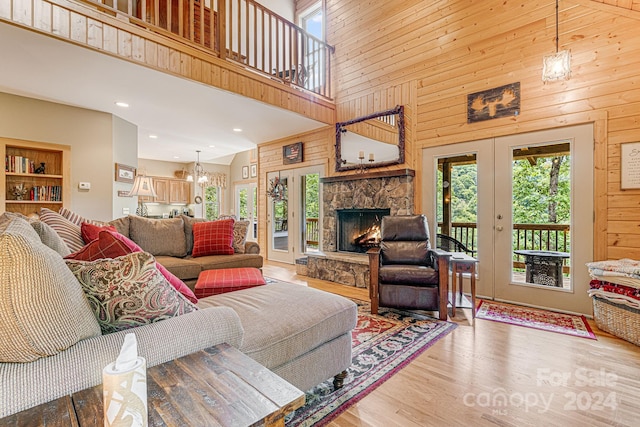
<point>558,65</point>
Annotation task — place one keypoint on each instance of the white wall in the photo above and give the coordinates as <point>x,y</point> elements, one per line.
<point>123,151</point>
<point>91,135</point>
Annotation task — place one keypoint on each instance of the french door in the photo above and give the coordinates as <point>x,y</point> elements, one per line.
<point>294,221</point>
<point>534,213</point>
<point>246,207</point>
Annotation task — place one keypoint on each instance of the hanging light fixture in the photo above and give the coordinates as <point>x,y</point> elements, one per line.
<point>558,65</point>
<point>198,174</point>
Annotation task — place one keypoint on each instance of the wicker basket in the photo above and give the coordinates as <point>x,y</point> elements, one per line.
<point>619,320</point>
<point>301,266</point>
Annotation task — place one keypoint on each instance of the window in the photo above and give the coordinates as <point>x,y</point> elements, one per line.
<point>312,21</point>
<point>211,202</point>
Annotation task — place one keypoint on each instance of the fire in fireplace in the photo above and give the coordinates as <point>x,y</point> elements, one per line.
<point>359,229</point>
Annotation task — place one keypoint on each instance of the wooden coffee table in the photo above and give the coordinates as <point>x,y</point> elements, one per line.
<point>218,386</point>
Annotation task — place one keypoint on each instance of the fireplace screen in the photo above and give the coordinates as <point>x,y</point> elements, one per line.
<point>359,229</point>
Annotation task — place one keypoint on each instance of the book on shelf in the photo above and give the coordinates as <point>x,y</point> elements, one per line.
<point>18,164</point>
<point>46,193</point>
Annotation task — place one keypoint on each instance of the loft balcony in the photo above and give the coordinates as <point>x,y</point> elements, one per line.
<point>236,45</point>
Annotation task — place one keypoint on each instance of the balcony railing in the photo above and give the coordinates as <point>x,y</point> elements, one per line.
<point>542,237</point>
<point>251,35</point>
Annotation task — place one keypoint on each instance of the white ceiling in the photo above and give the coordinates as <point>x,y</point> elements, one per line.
<point>185,115</point>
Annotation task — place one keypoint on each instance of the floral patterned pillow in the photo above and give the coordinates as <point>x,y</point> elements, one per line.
<point>240,229</point>
<point>128,291</point>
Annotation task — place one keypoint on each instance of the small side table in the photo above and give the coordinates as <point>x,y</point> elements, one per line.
<point>463,263</point>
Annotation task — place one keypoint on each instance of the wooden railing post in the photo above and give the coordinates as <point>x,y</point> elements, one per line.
<point>221,28</point>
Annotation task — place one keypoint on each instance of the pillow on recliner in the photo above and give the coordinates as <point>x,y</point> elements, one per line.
<point>43,310</point>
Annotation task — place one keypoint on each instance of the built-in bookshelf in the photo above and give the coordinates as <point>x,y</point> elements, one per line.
<point>36,174</point>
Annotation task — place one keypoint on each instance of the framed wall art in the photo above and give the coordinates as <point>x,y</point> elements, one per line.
<point>630,165</point>
<point>125,173</point>
<point>503,101</point>
<point>254,170</point>
<point>245,172</point>
<point>292,153</point>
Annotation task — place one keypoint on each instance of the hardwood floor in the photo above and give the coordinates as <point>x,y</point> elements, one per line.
<point>494,374</point>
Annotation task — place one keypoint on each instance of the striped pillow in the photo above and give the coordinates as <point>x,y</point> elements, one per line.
<point>77,219</point>
<point>67,230</point>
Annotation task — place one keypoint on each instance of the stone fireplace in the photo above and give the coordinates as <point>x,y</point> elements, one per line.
<point>389,192</point>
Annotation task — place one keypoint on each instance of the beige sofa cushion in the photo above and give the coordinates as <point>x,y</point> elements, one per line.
<point>43,310</point>
<point>121,225</point>
<point>183,268</point>
<point>159,236</point>
<point>278,324</point>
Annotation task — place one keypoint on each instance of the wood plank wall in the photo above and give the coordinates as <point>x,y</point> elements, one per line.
<point>85,26</point>
<point>449,49</point>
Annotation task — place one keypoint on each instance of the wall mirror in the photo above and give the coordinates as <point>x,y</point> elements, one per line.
<point>372,141</point>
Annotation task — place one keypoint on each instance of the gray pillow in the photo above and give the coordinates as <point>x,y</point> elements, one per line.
<point>159,236</point>
<point>188,230</point>
<point>49,237</point>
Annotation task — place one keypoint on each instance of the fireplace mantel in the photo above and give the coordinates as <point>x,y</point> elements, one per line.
<point>372,175</point>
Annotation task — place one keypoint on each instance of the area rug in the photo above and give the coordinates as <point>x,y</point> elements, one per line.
<point>382,345</point>
<point>551,321</point>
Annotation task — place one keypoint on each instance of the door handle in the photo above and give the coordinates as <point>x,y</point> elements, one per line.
<point>499,228</point>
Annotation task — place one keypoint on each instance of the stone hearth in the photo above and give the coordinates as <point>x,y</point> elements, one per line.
<point>378,190</point>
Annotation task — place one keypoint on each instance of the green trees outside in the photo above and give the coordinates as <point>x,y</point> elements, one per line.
<point>541,192</point>
<point>211,203</point>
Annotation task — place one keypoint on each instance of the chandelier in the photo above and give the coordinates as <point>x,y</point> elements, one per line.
<point>198,174</point>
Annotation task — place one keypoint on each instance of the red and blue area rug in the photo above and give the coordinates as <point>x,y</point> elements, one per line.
<point>382,345</point>
<point>568,324</point>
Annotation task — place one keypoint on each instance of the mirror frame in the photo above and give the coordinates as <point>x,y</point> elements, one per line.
<point>340,163</point>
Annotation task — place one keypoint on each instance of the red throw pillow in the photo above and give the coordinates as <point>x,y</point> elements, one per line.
<point>90,231</point>
<point>111,244</point>
<point>213,238</point>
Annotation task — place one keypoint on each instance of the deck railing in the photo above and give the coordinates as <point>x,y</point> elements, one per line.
<point>543,237</point>
<point>252,35</point>
<point>312,234</point>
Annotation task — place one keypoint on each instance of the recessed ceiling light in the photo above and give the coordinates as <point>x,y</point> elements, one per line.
<point>237,130</point>
<point>176,157</point>
<point>153,136</point>
<point>122,104</point>
<point>212,146</point>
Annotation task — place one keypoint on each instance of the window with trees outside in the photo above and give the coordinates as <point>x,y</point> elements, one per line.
<point>211,202</point>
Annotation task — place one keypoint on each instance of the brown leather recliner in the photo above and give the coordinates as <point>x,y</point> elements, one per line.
<point>404,271</point>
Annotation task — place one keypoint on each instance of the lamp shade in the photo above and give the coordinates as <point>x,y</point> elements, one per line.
<point>556,66</point>
<point>143,186</point>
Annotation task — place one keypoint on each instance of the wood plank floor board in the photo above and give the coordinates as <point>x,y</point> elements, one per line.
<point>494,374</point>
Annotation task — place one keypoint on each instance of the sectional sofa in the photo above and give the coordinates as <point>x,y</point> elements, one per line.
<point>51,343</point>
<point>171,242</point>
